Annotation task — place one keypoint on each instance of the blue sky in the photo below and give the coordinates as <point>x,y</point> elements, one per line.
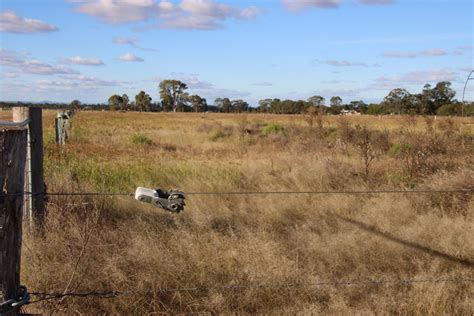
<point>60,50</point>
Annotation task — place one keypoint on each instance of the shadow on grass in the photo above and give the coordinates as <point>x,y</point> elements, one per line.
<point>433,252</point>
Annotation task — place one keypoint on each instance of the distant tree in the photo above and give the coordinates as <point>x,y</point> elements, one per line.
<point>124,104</point>
<point>335,101</point>
<point>264,105</point>
<point>223,104</point>
<point>376,109</point>
<point>317,100</point>
<point>172,93</point>
<point>240,106</point>
<point>75,105</point>
<point>114,102</point>
<point>276,106</point>
<point>197,103</point>
<point>142,101</point>
<point>450,109</point>
<point>442,94</point>
<point>425,100</point>
<point>398,100</point>
<point>358,106</point>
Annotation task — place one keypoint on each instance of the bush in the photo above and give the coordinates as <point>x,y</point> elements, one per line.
<point>450,109</point>
<point>140,139</point>
<point>273,129</point>
<point>221,132</point>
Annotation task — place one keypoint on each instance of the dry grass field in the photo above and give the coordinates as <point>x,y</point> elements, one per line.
<point>286,242</point>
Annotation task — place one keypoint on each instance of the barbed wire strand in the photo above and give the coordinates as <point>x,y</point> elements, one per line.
<point>348,192</point>
<point>114,294</point>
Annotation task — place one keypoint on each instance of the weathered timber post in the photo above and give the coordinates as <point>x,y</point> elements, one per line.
<point>63,127</point>
<point>12,174</point>
<point>20,114</point>
<point>37,169</point>
<point>34,179</point>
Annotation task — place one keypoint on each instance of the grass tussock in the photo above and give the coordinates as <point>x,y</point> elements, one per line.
<point>103,243</point>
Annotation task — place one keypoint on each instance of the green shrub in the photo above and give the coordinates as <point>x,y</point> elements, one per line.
<point>450,109</point>
<point>140,139</point>
<point>273,129</point>
<point>221,132</point>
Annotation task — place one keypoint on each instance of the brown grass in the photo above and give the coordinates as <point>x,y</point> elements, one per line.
<point>120,244</point>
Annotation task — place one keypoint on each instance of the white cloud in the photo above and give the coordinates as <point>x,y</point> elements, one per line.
<point>344,63</point>
<point>400,54</point>
<point>376,2</point>
<point>12,23</point>
<point>130,57</point>
<point>191,80</point>
<point>249,13</point>
<point>125,41</point>
<point>208,8</point>
<point>131,41</point>
<point>78,60</point>
<point>263,84</point>
<point>414,77</point>
<point>118,11</point>
<point>23,64</point>
<point>466,69</point>
<point>77,83</point>
<point>187,14</point>
<point>203,88</point>
<point>431,52</point>
<point>298,5</point>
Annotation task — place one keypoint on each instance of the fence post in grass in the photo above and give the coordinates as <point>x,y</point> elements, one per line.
<point>20,114</point>
<point>63,127</point>
<point>37,168</point>
<point>12,174</point>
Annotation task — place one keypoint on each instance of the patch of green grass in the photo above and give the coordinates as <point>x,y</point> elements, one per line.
<point>273,129</point>
<point>221,133</point>
<point>140,139</point>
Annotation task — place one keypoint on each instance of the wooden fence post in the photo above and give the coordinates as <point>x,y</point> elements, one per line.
<point>37,169</point>
<point>20,114</point>
<point>12,173</point>
<point>63,127</point>
<point>34,179</point>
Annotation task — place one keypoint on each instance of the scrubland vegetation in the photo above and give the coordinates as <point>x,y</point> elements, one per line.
<point>117,243</point>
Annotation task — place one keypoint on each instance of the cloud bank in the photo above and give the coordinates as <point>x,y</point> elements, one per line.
<point>12,23</point>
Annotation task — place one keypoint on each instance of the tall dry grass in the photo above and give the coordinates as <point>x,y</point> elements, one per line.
<point>119,244</point>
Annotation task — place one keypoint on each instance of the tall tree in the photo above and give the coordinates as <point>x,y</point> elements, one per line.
<point>75,105</point>
<point>317,100</point>
<point>125,101</point>
<point>425,100</point>
<point>223,104</point>
<point>398,100</point>
<point>359,106</point>
<point>114,102</point>
<point>172,93</point>
<point>264,105</point>
<point>142,101</point>
<point>335,101</point>
<point>240,106</point>
<point>442,94</point>
<point>197,103</point>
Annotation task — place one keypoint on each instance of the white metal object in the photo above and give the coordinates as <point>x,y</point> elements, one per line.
<point>145,195</point>
<point>171,201</point>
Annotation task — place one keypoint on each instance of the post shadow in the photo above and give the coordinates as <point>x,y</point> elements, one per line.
<point>433,252</point>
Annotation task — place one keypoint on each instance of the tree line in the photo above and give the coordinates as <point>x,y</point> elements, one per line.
<point>436,100</point>
<point>173,97</point>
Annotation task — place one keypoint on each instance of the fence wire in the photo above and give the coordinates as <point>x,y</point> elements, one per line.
<point>345,192</point>
<point>42,296</point>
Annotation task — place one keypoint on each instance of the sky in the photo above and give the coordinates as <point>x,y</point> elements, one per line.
<point>61,50</point>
